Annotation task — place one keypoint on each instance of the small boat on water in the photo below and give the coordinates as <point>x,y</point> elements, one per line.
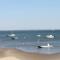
<point>12,36</point>
<point>38,35</point>
<point>50,36</point>
<point>45,46</point>
<point>48,45</point>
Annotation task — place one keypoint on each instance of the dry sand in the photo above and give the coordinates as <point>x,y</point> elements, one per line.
<point>9,58</point>
<point>14,54</point>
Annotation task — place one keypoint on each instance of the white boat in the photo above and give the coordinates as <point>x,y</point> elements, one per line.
<point>38,35</point>
<point>47,46</point>
<point>49,36</point>
<point>12,36</point>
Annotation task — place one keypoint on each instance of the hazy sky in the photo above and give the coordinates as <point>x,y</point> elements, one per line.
<point>29,14</point>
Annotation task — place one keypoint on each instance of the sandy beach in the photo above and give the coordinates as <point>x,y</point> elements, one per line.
<point>14,54</point>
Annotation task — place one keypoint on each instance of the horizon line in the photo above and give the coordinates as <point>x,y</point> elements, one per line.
<point>28,29</point>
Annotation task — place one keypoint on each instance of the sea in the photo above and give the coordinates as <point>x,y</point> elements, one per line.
<point>28,40</point>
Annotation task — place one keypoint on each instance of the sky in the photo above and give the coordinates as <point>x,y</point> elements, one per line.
<point>29,14</point>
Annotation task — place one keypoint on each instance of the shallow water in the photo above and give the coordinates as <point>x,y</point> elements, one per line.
<point>29,40</point>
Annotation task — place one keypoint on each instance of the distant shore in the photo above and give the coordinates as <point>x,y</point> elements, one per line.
<point>14,54</point>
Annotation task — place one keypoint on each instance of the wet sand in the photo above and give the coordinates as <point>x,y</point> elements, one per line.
<point>14,54</point>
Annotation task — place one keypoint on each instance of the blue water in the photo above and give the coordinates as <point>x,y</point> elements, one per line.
<point>28,41</point>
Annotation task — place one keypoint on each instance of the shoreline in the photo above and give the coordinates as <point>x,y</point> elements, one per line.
<point>15,54</point>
